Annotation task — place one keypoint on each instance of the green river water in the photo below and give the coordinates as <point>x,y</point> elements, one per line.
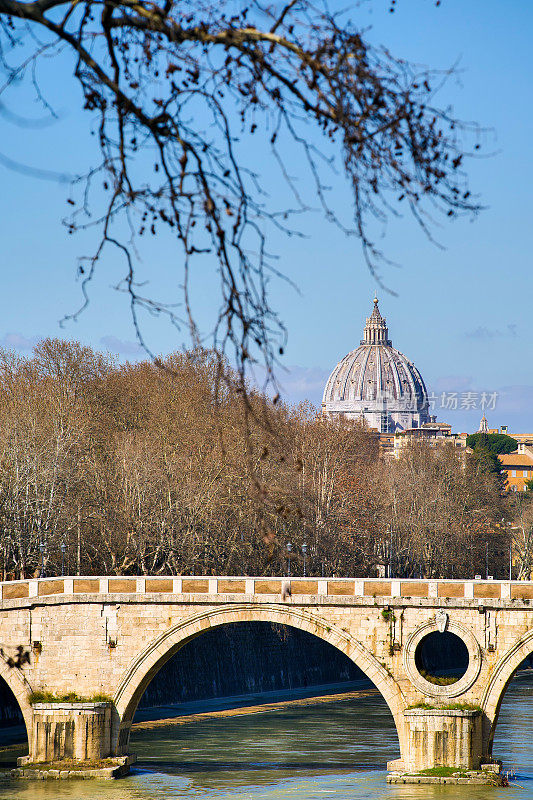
<point>316,752</point>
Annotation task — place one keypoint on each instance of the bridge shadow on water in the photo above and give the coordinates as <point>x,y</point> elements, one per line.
<point>191,767</point>
<point>255,664</point>
<point>323,738</point>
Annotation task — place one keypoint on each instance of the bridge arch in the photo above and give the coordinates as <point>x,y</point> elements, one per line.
<point>146,665</point>
<point>21,690</point>
<point>499,681</point>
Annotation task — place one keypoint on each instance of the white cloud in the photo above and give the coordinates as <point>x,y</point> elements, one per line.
<point>122,346</point>
<point>451,383</point>
<point>303,383</point>
<point>481,332</point>
<point>17,341</point>
<point>295,383</point>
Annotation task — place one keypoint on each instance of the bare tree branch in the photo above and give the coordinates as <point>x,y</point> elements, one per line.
<point>178,92</point>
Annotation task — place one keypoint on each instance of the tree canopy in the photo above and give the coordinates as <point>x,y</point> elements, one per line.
<point>495,443</point>
<point>173,91</point>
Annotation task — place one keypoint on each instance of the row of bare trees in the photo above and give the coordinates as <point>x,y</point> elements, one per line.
<point>168,468</point>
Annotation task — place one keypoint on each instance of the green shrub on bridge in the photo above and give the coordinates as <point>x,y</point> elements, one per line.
<point>67,697</point>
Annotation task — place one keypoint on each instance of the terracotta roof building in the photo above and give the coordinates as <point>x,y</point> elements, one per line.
<point>518,468</point>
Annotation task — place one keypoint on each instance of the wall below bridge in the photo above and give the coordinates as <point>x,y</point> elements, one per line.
<point>247,658</point>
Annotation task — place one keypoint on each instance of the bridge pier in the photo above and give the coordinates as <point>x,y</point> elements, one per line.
<point>70,731</point>
<point>443,738</point>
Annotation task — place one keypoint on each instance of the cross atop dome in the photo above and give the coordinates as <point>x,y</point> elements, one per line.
<point>376,331</point>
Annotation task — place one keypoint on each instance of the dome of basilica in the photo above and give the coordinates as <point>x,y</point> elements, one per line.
<point>377,383</point>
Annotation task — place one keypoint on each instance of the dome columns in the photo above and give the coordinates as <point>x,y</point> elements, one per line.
<point>376,331</point>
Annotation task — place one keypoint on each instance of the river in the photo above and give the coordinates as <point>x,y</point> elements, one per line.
<point>311,752</point>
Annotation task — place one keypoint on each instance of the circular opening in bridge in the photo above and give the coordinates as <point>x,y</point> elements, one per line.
<point>441,658</point>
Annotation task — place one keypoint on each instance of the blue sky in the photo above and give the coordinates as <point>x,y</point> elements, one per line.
<point>462,312</point>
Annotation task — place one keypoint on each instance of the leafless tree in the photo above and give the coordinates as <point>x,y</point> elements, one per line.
<point>138,470</point>
<point>444,510</point>
<point>521,529</point>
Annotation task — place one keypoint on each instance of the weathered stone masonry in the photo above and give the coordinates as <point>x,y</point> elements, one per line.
<point>110,636</point>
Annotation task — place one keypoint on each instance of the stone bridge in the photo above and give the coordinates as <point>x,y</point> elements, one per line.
<point>106,638</point>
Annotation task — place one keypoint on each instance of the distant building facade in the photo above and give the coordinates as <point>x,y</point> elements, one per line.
<point>521,438</point>
<point>518,467</point>
<point>377,384</point>
<point>433,434</point>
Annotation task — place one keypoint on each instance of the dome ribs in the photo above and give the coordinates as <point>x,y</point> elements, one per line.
<point>359,395</point>
<point>377,382</point>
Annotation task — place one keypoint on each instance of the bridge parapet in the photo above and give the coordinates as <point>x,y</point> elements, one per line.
<point>200,586</point>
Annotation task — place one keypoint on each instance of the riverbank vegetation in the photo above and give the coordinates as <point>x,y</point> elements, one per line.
<point>168,469</point>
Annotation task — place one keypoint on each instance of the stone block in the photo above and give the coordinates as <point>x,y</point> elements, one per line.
<point>451,589</point>
<point>11,591</point>
<point>195,585</point>
<point>340,588</point>
<point>86,585</point>
<point>50,587</point>
<point>491,589</point>
<point>122,585</point>
<point>159,585</point>
<point>77,731</point>
<point>304,587</point>
<point>522,591</point>
<point>378,588</point>
<point>414,589</point>
<point>267,587</point>
<point>231,586</point>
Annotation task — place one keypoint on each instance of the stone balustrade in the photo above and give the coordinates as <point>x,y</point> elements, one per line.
<point>234,585</point>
